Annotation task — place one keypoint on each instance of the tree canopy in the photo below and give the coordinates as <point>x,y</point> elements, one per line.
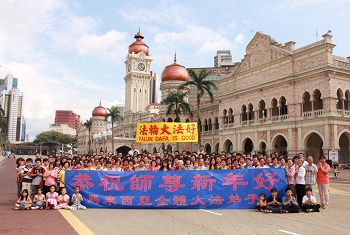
<point>53,139</point>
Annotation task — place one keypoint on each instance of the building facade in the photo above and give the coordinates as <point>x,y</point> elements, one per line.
<point>67,117</point>
<point>63,128</point>
<point>278,98</point>
<point>12,104</point>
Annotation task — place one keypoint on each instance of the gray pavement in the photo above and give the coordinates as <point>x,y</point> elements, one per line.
<point>334,220</point>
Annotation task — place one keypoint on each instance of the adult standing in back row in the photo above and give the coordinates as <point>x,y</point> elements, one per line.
<point>311,173</point>
<point>323,181</point>
<point>300,181</point>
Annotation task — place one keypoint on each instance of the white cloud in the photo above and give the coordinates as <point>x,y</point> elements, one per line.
<point>303,3</point>
<point>31,35</point>
<point>239,38</point>
<point>203,38</point>
<point>164,13</point>
<point>111,45</point>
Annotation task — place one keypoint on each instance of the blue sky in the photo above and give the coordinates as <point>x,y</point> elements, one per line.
<point>70,54</point>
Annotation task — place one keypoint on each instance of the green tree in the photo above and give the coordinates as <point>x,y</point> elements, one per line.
<point>203,86</point>
<point>3,124</point>
<point>176,104</point>
<point>53,139</point>
<point>113,115</point>
<point>88,125</point>
<point>4,143</point>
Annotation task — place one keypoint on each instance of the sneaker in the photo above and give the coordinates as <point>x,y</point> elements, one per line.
<point>308,210</point>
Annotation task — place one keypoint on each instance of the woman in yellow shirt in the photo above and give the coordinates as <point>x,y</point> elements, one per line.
<point>66,166</point>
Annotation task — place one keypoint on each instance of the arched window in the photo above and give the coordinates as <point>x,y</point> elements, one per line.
<point>163,119</point>
<point>244,113</point>
<point>318,102</point>
<point>205,125</point>
<point>274,107</point>
<point>187,120</point>
<point>224,116</point>
<point>250,112</point>
<point>339,99</point>
<point>216,125</point>
<point>262,109</point>
<point>210,125</point>
<point>347,100</point>
<point>170,120</point>
<point>230,115</point>
<point>307,106</point>
<point>283,104</point>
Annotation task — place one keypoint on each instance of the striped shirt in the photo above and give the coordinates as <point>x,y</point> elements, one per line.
<point>311,173</point>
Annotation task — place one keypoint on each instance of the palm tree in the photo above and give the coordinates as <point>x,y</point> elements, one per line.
<point>200,82</point>
<point>176,104</point>
<point>115,116</point>
<point>88,125</point>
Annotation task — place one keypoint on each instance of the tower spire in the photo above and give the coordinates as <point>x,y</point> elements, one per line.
<point>175,58</point>
<point>100,103</point>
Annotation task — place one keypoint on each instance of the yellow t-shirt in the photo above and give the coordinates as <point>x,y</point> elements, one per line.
<point>62,178</point>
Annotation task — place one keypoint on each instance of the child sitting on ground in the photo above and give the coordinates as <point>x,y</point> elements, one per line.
<point>63,200</point>
<point>290,204</point>
<point>77,198</point>
<point>309,202</point>
<point>274,202</point>
<point>261,205</point>
<point>23,202</point>
<point>39,200</point>
<point>51,198</point>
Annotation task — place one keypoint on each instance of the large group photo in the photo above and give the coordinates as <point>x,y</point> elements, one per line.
<point>174,117</point>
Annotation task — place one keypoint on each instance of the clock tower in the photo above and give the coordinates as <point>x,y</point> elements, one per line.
<point>140,81</point>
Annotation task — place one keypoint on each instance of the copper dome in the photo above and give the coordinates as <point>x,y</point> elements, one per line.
<point>175,72</point>
<point>99,111</point>
<point>138,46</point>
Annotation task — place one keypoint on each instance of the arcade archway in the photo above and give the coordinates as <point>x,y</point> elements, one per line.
<point>344,148</point>
<point>313,145</point>
<point>248,145</point>
<point>280,145</point>
<point>123,149</point>
<point>228,146</point>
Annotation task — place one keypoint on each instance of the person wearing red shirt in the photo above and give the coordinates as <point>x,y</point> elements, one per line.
<point>322,181</point>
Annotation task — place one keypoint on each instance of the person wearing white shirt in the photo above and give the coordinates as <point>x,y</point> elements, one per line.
<point>300,181</point>
<point>309,202</point>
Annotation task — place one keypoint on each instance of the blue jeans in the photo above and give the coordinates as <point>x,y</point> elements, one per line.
<point>274,209</point>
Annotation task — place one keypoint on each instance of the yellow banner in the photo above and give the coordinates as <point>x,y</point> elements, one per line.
<point>163,132</point>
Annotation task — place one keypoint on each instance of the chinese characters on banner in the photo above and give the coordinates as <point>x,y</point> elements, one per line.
<point>223,189</point>
<point>162,132</point>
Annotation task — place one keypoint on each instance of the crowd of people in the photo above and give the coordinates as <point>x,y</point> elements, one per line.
<point>41,182</point>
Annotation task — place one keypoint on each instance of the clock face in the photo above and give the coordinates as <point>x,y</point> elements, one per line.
<point>141,66</point>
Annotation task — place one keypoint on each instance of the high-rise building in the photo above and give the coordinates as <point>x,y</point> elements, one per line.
<point>68,117</point>
<point>12,104</point>
<point>223,58</point>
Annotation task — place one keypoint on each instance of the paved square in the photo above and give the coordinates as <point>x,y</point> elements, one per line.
<point>334,220</point>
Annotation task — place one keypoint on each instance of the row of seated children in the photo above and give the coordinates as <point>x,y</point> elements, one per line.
<point>50,201</point>
<point>288,204</point>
